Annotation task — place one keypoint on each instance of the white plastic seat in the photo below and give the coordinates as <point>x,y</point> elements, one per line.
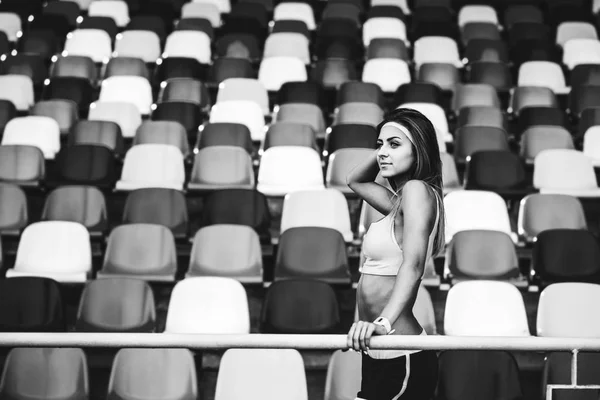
<point>485,308</point>
<point>243,112</point>
<point>206,10</point>
<point>208,305</point>
<point>326,208</point>
<point>565,171</point>
<point>115,9</point>
<point>38,131</point>
<point>575,30</point>
<point>131,89</point>
<point>58,250</point>
<point>275,71</point>
<point>384,27</point>
<point>450,174</point>
<point>591,145</point>
<point>285,169</point>
<point>224,6</point>
<point>93,43</point>
<point>18,89</point>
<point>297,11</point>
<point>144,45</point>
<point>436,49</point>
<point>152,165</point>
<point>581,51</point>
<point>387,73</point>
<point>188,44</point>
<point>10,23</point>
<point>343,375</point>
<point>543,73</point>
<point>126,115</point>
<point>245,373</point>
<point>563,310</point>
<point>475,209</point>
<point>477,13</point>
<point>244,89</point>
<point>287,44</point>
<point>437,116</point>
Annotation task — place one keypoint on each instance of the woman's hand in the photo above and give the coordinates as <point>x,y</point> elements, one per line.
<point>359,336</point>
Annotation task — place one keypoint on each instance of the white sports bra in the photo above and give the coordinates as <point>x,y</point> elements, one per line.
<point>382,252</point>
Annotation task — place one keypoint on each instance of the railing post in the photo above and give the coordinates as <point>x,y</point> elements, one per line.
<point>574,367</point>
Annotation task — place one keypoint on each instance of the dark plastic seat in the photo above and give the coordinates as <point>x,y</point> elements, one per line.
<point>185,89</point>
<point>22,165</point>
<point>477,374</point>
<point>486,50</point>
<point>482,116</point>
<point>534,50</point>
<point>516,13</point>
<point>22,9</point>
<point>159,206</point>
<point>418,92</point>
<point>8,111</point>
<point>76,67</point>
<point>238,207</point>
<point>326,261</point>
<point>106,24</point>
<point>78,90</point>
<point>187,114</point>
<point>332,73</point>
<point>585,75</point>
<point>582,97</point>
<point>302,92</point>
<point>70,11</point>
<point>528,96</point>
<point>290,134</point>
<point>446,76</point>
<point>360,92</point>
<point>31,65</point>
<point>148,23</point>
<point>196,24</point>
<point>346,48</point>
<point>496,74</point>
<point>14,214</point>
<point>533,116</point>
<point>179,67</point>
<point>386,11</point>
<point>31,304</point>
<point>62,111</point>
<point>101,133</point>
<point>387,48</point>
<point>499,171</point>
<point>225,134</point>
<point>85,164</point>
<point>319,312</point>
<point>566,255</point>
<point>522,31</point>
<point>238,45</point>
<point>470,139</point>
<point>351,136</point>
<point>116,305</point>
<point>291,26</point>
<point>479,30</point>
<point>126,66</point>
<point>59,24</point>
<point>225,68</point>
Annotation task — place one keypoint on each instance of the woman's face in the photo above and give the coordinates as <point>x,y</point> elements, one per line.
<point>395,154</point>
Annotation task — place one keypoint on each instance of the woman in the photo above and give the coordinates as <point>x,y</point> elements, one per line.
<point>396,249</point>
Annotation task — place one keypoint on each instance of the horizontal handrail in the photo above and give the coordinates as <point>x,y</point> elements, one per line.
<point>305,342</point>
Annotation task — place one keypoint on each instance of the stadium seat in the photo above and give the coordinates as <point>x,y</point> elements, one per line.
<point>185,113</point>
<point>343,375</point>
<point>45,373</point>
<point>539,138</point>
<point>486,50</point>
<point>581,51</point>
<point>482,116</point>
<point>543,73</point>
<point>319,312</point>
<point>152,165</point>
<point>206,10</point>
<point>564,171</point>
<point>566,255</point>
<point>78,90</point>
<point>287,44</point>
<point>474,94</point>
<point>480,374</point>
<point>446,76</point>
<point>360,92</point>
<point>238,46</point>
<point>528,96</point>
<point>93,43</point>
<point>85,164</point>
<point>115,9</point>
<point>163,132</point>
<point>186,90</point>
<point>244,112</point>
<point>474,209</point>
<point>326,261</point>
<point>100,133</point>
<point>495,74</point>
<point>585,75</point>
<point>222,167</point>
<point>485,308</point>
<point>7,112</point>
<point>309,114</point>
<point>384,27</point>
<point>58,250</point>
<point>233,89</point>
<point>387,48</point>
<point>22,165</point>
<point>141,44</point>
<point>285,169</point>
<point>436,49</point>
<point>358,113</point>
<point>82,204</point>
<point>131,89</point>
<point>472,139</point>
<point>575,30</point>
<point>477,13</point>
<point>179,67</point>
<point>295,11</point>
<point>450,176</point>
<point>418,92</point>
<point>208,305</point>
<point>74,66</point>
<point>116,305</point>
<point>31,65</point>
<point>582,97</point>
<point>341,162</point>
<point>437,116</point>
<point>499,171</point>
<point>11,25</point>
<point>225,134</point>
<point>31,304</point>
<point>104,24</point>
<point>38,131</point>
<point>237,206</point>
<point>126,67</point>
<point>246,372</point>
<point>14,214</point>
<point>387,73</point>
<point>17,89</point>
<point>188,44</point>
<point>302,92</point>
<point>127,115</point>
<point>164,373</point>
<point>229,251</point>
<point>541,116</point>
<point>64,112</point>
<point>479,31</point>
<point>158,206</point>
<point>290,134</point>
<point>275,71</point>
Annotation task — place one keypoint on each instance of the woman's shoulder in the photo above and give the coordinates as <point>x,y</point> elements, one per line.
<point>419,196</point>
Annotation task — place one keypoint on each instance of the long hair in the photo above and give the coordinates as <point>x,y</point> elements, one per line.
<point>428,163</point>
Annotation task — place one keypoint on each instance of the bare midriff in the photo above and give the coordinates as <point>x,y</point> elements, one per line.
<point>372,295</point>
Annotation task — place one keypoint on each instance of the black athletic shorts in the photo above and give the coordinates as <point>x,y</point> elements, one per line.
<point>410,377</point>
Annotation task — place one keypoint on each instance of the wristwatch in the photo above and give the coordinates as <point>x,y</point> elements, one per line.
<point>383,321</point>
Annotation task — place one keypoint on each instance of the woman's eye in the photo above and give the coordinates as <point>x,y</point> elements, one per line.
<point>378,145</point>
<point>393,145</point>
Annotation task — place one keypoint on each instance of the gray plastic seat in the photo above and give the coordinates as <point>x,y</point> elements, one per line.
<point>45,373</point>
<point>482,116</point>
<point>474,94</point>
<point>101,133</point>
<point>531,96</point>
<point>145,374</point>
<point>74,67</point>
<point>160,206</point>
<point>227,250</point>
<point>341,162</point>
<point>446,76</point>
<point>163,132</point>
<point>144,251</point>
<point>126,66</point>
<point>83,204</point>
<point>303,113</point>
<point>469,139</point>
<point>358,113</point>
<point>225,134</point>
<point>116,305</point>
<point>539,138</point>
<point>290,134</point>
<point>22,165</point>
<point>64,112</point>
<point>184,89</point>
<point>450,176</point>
<point>222,167</point>
<point>13,209</point>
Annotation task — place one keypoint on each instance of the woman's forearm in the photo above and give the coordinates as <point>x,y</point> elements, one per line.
<point>364,172</point>
<point>405,289</point>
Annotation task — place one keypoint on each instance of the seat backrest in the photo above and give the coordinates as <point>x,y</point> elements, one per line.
<point>223,166</point>
<point>524,96</point>
<point>163,132</point>
<point>188,44</point>
<point>83,204</point>
<point>40,131</point>
<point>18,89</point>
<point>93,43</point>
<point>287,44</point>
<point>388,73</point>
<point>471,139</point>
<point>244,112</point>
<point>21,164</point>
<point>208,305</point>
<point>540,212</point>
<point>133,89</point>
<point>275,71</point>
<point>144,45</point>
<point>287,168</point>
<point>244,89</point>
<point>125,114</point>
<point>151,164</point>
<point>341,162</point>
<point>343,375</point>
<point>542,73</point>
<point>358,113</point>
<point>539,138</point>
<point>563,169</point>
<point>161,206</point>
<point>14,213</point>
